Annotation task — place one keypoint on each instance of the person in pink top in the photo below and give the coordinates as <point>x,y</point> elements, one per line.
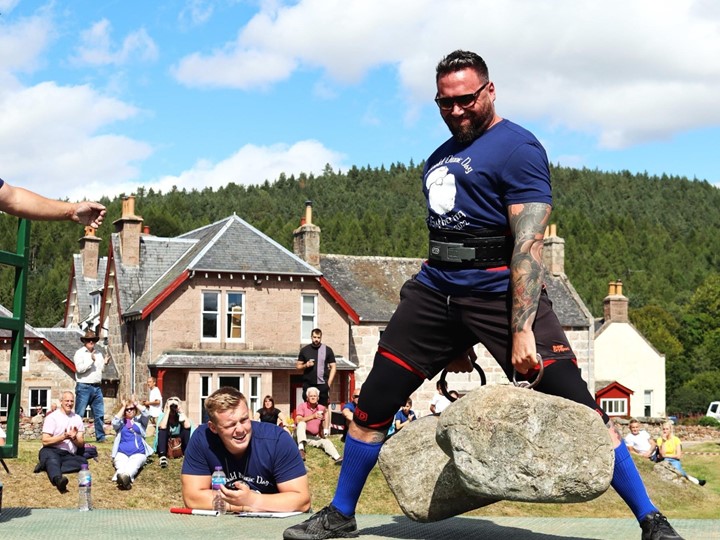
<point>62,436</point>
<point>309,421</point>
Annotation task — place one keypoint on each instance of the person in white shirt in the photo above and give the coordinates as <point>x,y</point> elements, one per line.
<point>153,404</point>
<point>639,441</point>
<point>439,402</point>
<point>62,435</point>
<point>89,365</point>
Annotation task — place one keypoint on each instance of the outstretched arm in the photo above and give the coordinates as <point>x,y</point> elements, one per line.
<point>24,203</point>
<point>527,223</point>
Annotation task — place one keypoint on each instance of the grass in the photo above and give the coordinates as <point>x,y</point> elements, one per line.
<point>157,488</point>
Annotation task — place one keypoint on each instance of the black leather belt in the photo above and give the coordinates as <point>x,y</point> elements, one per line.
<point>487,249</point>
<point>95,384</point>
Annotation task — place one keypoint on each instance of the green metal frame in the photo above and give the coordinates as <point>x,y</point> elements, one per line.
<point>16,324</point>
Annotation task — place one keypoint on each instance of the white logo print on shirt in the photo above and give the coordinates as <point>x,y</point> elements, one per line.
<point>441,190</point>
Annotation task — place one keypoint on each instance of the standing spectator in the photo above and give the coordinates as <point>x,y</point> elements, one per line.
<point>404,416</point>
<point>308,419</point>
<point>130,451</point>
<point>348,410</point>
<point>89,365</point>
<point>317,361</point>
<point>172,423</point>
<point>439,402</point>
<point>670,449</point>
<point>153,402</point>
<point>62,435</point>
<point>639,441</point>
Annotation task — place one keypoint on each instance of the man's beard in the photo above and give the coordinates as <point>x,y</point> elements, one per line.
<point>479,123</point>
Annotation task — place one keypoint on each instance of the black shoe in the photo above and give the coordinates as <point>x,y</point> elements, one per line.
<point>61,484</point>
<point>701,481</point>
<point>655,526</point>
<point>327,523</point>
<point>163,462</point>
<point>124,481</point>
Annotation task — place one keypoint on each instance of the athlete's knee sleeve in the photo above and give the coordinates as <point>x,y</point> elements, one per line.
<point>386,390</point>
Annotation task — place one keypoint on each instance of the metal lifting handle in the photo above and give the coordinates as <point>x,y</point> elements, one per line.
<point>443,384</point>
<point>530,384</point>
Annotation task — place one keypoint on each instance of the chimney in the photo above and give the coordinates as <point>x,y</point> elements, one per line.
<point>306,239</point>
<point>615,305</point>
<point>553,251</point>
<point>90,253</point>
<point>129,227</point>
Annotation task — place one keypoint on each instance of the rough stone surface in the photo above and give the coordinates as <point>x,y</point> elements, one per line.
<point>668,473</point>
<point>422,477</point>
<point>521,445</point>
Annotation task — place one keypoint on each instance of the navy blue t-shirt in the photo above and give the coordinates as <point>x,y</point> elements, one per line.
<point>469,187</point>
<point>271,459</point>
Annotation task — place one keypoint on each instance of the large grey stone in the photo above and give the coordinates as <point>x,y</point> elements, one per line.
<point>521,445</point>
<point>422,477</point>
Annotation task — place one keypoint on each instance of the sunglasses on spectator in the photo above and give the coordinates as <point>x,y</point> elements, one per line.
<point>465,101</point>
<point>129,409</point>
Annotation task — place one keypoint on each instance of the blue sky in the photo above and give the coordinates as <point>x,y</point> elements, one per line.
<point>100,97</point>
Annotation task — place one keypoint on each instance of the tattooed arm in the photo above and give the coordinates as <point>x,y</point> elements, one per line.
<point>527,223</point>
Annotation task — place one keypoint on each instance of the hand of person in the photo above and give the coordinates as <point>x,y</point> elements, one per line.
<point>463,363</point>
<point>524,352</point>
<point>310,363</point>
<point>241,495</point>
<point>89,213</point>
<point>71,432</point>
<point>411,417</point>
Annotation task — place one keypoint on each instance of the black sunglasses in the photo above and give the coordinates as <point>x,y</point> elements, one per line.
<point>464,101</point>
<point>356,396</point>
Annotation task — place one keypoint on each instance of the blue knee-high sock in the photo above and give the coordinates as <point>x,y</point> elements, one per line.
<point>358,460</point>
<point>628,484</point>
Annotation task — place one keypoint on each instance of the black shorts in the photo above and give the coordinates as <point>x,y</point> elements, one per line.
<point>430,329</point>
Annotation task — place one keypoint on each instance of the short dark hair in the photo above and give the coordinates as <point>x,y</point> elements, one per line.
<point>316,331</point>
<point>458,60</point>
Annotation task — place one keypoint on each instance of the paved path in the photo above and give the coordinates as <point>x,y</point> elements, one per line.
<point>55,524</point>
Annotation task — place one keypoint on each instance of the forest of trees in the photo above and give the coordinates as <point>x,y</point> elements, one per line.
<point>657,234</point>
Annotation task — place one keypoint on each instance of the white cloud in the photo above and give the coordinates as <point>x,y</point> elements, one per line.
<point>50,140</point>
<point>21,43</point>
<point>251,164</point>
<point>96,48</point>
<point>196,12</point>
<point>624,72</point>
<point>7,5</point>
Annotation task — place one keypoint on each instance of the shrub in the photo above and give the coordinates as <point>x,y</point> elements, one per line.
<point>709,421</point>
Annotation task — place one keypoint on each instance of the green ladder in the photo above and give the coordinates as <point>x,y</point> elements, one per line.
<point>12,387</point>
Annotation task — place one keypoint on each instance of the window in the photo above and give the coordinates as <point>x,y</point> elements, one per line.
<point>236,381</point>
<point>26,358</point>
<point>205,391</point>
<point>234,318</point>
<point>308,317</point>
<point>648,403</point>
<point>613,407</point>
<point>4,405</point>
<point>253,396</point>
<point>210,315</point>
<point>39,397</point>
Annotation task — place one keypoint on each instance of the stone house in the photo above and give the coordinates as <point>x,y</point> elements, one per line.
<point>220,305</point>
<point>623,355</point>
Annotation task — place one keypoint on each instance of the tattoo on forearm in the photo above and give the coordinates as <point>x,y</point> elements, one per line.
<point>527,222</point>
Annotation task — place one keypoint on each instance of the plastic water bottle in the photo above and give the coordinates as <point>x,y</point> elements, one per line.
<point>218,479</point>
<point>84,487</point>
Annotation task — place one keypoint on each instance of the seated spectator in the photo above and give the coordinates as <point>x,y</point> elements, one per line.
<point>259,459</point>
<point>639,441</point>
<point>309,420</point>
<point>62,437</point>
<point>348,411</point>
<point>130,451</point>
<point>404,416</point>
<point>439,402</point>
<point>670,448</point>
<point>269,413</point>
<point>2,436</point>
<point>172,422</point>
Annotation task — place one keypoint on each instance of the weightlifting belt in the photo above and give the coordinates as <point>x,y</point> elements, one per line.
<point>476,249</point>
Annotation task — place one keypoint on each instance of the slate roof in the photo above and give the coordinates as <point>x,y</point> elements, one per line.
<point>371,285</point>
<point>228,245</point>
<point>67,341</point>
<point>85,285</point>
<point>4,333</point>
<point>227,359</point>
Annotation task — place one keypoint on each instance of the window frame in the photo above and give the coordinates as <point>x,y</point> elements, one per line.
<point>606,403</point>
<point>303,316</point>
<point>203,313</point>
<point>229,316</point>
